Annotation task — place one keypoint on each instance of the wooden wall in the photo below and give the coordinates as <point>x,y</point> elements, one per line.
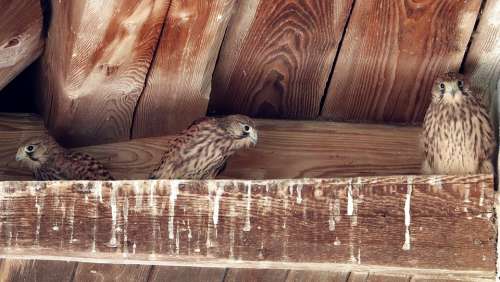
<point>123,69</point>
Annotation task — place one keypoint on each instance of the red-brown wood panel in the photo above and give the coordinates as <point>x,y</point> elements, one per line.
<point>179,84</point>
<point>483,59</point>
<point>277,57</point>
<point>391,53</point>
<point>93,71</point>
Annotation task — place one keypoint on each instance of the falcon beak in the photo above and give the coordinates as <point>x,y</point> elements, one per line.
<point>253,137</point>
<point>20,155</point>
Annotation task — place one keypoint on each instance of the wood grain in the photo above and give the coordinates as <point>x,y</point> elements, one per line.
<point>327,221</point>
<point>391,53</point>
<point>111,272</point>
<point>254,275</point>
<point>182,274</point>
<point>376,277</point>
<point>35,270</point>
<point>482,63</point>
<point>179,82</point>
<point>316,276</point>
<point>21,39</point>
<point>98,55</point>
<point>309,149</point>
<point>277,57</point>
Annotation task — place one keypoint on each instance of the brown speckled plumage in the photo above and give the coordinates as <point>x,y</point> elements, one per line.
<point>201,151</point>
<point>49,161</point>
<point>458,136</point>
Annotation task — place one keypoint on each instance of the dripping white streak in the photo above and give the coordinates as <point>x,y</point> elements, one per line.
<point>72,221</point>
<point>174,190</point>
<point>38,220</point>
<point>350,206</point>
<point>248,226</point>
<point>138,195</point>
<point>331,220</point>
<point>98,190</point>
<point>152,194</point>
<point>125,226</point>
<point>481,197</point>
<point>407,244</point>
<point>218,194</point>
<point>113,242</point>
<point>177,241</point>
<point>299,193</point>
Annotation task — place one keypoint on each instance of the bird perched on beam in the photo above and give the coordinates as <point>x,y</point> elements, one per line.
<point>201,151</point>
<point>458,136</point>
<point>49,161</point>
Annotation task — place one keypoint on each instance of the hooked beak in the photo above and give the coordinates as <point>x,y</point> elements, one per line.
<point>19,155</point>
<point>254,137</point>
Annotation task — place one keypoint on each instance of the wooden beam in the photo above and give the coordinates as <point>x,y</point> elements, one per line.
<point>179,82</point>
<point>21,39</point>
<point>483,59</point>
<point>111,272</point>
<point>277,57</point>
<point>385,221</point>
<point>36,270</point>
<point>182,274</point>
<point>94,70</point>
<point>286,149</point>
<point>391,53</point>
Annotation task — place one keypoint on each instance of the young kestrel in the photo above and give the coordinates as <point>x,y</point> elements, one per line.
<point>49,161</point>
<point>458,136</point>
<point>201,151</point>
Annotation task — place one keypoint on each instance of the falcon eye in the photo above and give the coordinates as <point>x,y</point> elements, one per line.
<point>246,128</point>
<point>30,149</point>
<point>460,84</point>
<point>442,86</point>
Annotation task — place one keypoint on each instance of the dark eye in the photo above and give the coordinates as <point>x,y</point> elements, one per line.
<point>442,86</point>
<point>30,149</point>
<point>460,84</point>
<point>246,128</point>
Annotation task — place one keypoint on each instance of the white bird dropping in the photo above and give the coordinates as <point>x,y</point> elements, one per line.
<point>350,205</point>
<point>174,190</point>
<point>248,226</point>
<point>407,244</point>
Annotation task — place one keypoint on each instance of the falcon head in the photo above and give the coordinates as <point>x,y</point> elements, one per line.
<point>451,88</point>
<point>241,129</point>
<point>36,151</point>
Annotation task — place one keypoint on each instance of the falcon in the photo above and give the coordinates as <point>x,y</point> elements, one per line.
<point>201,151</point>
<point>458,136</point>
<point>49,161</point>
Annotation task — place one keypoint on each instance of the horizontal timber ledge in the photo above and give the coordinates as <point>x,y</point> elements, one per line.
<point>424,222</point>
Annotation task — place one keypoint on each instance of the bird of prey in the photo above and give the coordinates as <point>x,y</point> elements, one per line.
<point>458,136</point>
<point>49,161</point>
<point>201,151</point>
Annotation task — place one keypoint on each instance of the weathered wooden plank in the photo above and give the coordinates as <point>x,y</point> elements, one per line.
<point>392,52</point>
<point>249,275</point>
<point>277,57</point>
<point>309,149</point>
<point>356,276</point>
<point>378,277</point>
<point>316,276</point>
<point>98,55</point>
<point>112,272</point>
<point>297,221</point>
<point>483,59</point>
<point>21,39</point>
<point>36,270</point>
<point>179,82</point>
<point>182,274</point>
